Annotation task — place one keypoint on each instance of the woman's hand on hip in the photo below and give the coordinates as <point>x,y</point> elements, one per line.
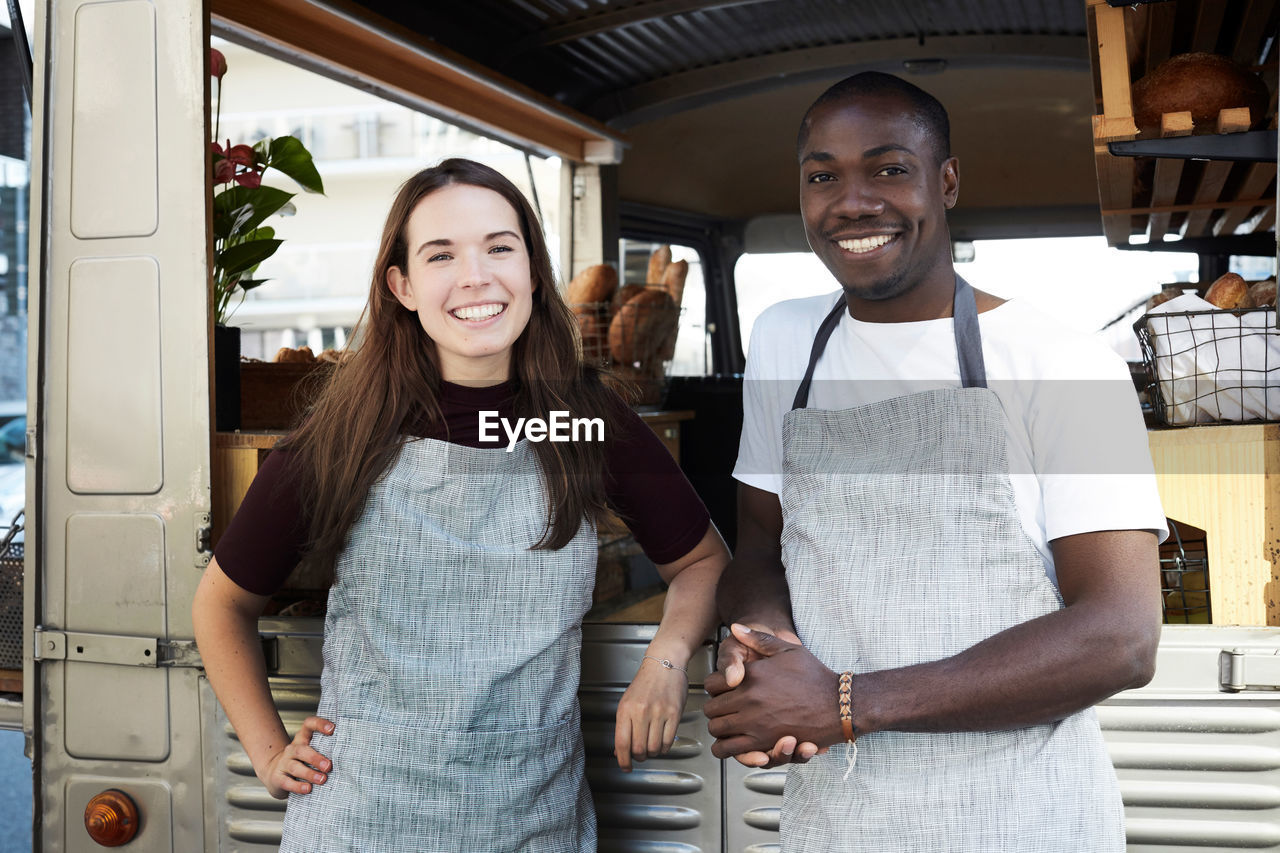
<point>294,769</point>
<point>649,713</point>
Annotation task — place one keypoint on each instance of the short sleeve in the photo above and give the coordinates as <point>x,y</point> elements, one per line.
<point>760,447</point>
<point>265,539</point>
<point>1090,449</point>
<point>652,495</point>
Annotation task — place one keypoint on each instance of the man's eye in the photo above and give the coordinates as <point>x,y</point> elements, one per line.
<point>892,171</point>
<point>821,178</point>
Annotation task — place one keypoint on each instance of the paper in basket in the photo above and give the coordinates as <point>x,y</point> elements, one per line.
<point>1213,365</point>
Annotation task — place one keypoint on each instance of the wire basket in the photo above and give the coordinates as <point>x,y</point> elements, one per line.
<point>11,560</point>
<point>1184,580</point>
<point>1208,367</point>
<point>633,336</point>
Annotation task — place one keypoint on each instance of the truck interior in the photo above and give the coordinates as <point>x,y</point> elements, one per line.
<point>669,123</point>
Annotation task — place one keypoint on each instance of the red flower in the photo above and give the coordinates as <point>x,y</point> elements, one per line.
<point>235,158</point>
<point>217,63</point>
<point>240,154</point>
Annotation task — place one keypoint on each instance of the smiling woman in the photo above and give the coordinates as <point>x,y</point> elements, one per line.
<point>438,540</point>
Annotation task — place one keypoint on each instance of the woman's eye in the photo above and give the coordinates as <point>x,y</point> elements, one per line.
<point>500,249</point>
<point>442,256</point>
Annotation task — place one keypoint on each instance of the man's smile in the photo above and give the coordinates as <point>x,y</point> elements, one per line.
<point>862,245</point>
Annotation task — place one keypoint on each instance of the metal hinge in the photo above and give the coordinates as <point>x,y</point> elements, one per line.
<point>204,539</point>
<point>1241,670</point>
<point>30,448</point>
<point>114,649</point>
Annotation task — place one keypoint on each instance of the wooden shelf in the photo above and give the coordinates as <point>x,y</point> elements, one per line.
<point>1161,196</point>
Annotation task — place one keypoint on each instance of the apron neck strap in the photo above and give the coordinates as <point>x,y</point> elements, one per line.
<point>973,372</point>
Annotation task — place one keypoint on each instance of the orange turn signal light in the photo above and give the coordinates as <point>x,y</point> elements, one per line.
<point>111,818</point>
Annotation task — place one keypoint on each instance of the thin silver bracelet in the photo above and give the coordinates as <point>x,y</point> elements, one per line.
<point>668,664</point>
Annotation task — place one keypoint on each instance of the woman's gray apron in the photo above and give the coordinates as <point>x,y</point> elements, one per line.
<point>902,545</point>
<point>451,660</point>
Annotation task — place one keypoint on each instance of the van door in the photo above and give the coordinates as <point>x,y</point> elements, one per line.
<point>119,336</point>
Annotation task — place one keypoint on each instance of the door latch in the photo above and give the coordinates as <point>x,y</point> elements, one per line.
<point>114,649</point>
<point>1240,670</point>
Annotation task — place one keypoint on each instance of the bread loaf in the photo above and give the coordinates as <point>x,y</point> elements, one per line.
<point>1230,291</point>
<point>594,327</point>
<point>301,355</point>
<point>1203,84</point>
<point>673,280</point>
<point>1263,293</point>
<point>624,295</point>
<point>658,263</point>
<point>640,326</point>
<point>594,284</point>
<point>1164,296</point>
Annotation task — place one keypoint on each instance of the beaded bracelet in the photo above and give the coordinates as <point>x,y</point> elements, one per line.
<point>845,696</point>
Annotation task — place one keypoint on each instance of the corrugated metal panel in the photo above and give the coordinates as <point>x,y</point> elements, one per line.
<point>651,48</point>
<point>581,51</point>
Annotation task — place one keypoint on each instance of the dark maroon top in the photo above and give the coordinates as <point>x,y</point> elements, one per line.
<point>645,487</point>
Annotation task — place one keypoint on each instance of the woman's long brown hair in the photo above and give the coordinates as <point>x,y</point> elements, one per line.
<point>391,382</point>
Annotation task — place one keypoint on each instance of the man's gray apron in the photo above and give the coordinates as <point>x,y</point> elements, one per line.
<point>451,660</point>
<point>902,545</point>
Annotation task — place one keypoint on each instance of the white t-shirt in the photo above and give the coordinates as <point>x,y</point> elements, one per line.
<point>1078,454</point>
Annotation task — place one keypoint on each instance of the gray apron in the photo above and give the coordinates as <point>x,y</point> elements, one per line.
<point>902,545</point>
<point>451,660</point>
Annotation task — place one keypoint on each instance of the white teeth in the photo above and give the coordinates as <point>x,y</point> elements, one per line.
<point>864,244</point>
<point>478,312</point>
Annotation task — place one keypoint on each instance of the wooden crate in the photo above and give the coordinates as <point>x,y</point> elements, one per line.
<point>274,394</point>
<point>1159,197</point>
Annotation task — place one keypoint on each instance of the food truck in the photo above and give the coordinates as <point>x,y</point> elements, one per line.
<point>673,125</point>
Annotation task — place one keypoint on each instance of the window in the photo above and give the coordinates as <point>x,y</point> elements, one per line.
<point>1079,280</point>
<point>15,143</point>
<point>692,354</point>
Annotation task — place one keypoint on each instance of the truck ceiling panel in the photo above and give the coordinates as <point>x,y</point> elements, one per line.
<point>584,54</point>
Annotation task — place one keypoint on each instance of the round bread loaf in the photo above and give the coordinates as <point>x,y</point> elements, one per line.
<point>641,325</point>
<point>301,355</point>
<point>1203,84</point>
<point>1164,296</point>
<point>595,331</point>
<point>1263,293</point>
<point>624,295</point>
<point>1229,291</point>
<point>593,284</point>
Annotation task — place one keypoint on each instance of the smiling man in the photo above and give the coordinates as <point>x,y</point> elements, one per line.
<point>948,525</point>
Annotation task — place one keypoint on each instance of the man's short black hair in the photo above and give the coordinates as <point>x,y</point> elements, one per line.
<point>929,112</point>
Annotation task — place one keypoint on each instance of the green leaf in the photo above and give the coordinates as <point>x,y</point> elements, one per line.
<point>291,157</point>
<point>230,218</point>
<point>246,255</point>
<point>251,283</point>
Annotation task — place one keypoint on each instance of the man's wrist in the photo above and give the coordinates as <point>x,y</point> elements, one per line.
<point>776,620</point>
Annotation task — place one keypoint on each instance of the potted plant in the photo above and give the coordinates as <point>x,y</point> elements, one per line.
<point>241,203</point>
